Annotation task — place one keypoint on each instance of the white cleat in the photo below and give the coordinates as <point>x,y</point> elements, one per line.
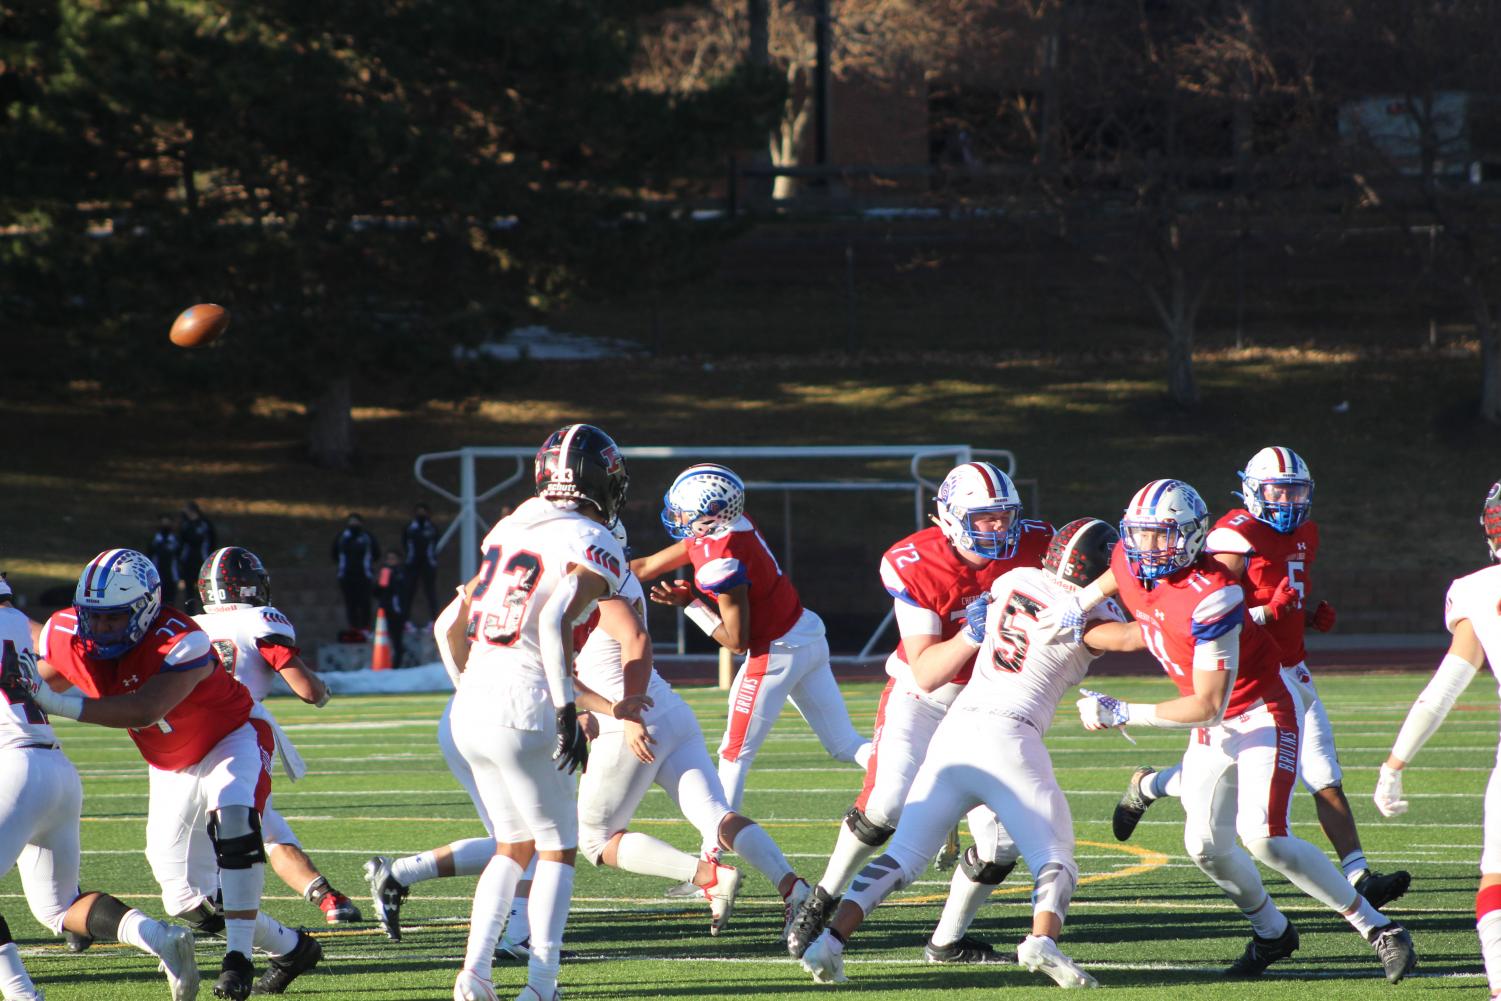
<point>721,896</point>
<point>1040,954</point>
<point>178,963</point>
<point>825,960</point>
<point>791,903</point>
<point>470,986</point>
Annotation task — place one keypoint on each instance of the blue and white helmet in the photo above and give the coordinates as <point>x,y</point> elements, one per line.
<point>704,500</point>
<point>1277,488</point>
<point>117,580</point>
<point>979,488</point>
<point>1163,529</point>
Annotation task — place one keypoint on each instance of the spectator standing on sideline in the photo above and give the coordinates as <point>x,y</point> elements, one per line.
<point>420,540</point>
<point>390,591</point>
<point>165,552</point>
<point>355,552</point>
<point>198,542</point>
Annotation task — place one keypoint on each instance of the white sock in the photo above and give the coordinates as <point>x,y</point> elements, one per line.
<point>519,922</point>
<point>1267,921</point>
<point>1489,929</point>
<point>963,903</point>
<point>849,857</point>
<point>492,901</point>
<point>552,893</point>
<point>239,935</point>
<point>146,934</point>
<point>14,981</point>
<point>1365,918</point>
<point>471,855</point>
<point>272,937</point>
<point>1164,783</point>
<point>1354,865</point>
<point>755,846</point>
<point>643,853</point>
<point>415,868</point>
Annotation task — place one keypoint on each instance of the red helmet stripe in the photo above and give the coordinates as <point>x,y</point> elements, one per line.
<point>990,481</point>
<point>100,569</point>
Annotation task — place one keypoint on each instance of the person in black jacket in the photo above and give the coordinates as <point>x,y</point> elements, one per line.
<point>199,540</point>
<point>420,541</point>
<point>355,551</point>
<point>165,551</point>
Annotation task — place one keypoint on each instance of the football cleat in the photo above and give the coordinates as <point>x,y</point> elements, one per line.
<point>1132,805</point>
<point>825,960</point>
<point>178,963</point>
<point>521,952</point>
<point>236,977</point>
<point>386,894</point>
<point>808,921</point>
<point>338,909</point>
<point>1394,946</point>
<point>285,969</point>
<point>800,891</point>
<point>1380,889</point>
<point>721,896</point>
<point>470,986</point>
<point>1263,952</point>
<point>966,950</point>
<point>1040,955</point>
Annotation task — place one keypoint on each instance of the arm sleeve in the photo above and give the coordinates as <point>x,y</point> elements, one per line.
<point>1453,676</point>
<point>552,634</point>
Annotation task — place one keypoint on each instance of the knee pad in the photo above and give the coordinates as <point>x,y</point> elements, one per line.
<point>979,871</point>
<point>1054,888</point>
<point>868,833</point>
<point>206,919</point>
<point>103,919</point>
<point>236,834</point>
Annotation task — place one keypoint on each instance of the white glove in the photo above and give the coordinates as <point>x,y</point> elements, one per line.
<point>1389,793</point>
<point>1102,712</point>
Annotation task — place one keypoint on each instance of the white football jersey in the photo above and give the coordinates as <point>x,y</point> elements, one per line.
<point>235,633</point>
<point>20,724</point>
<point>1477,597</point>
<point>526,555</point>
<point>599,668</point>
<point>1016,673</point>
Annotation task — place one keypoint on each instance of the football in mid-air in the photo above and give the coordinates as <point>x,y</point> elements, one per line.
<point>199,325</point>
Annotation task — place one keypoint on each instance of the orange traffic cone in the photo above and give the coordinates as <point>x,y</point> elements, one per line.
<point>380,649</point>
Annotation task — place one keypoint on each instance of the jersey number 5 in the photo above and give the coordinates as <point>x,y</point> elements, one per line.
<point>519,576</point>
<point>1012,641</point>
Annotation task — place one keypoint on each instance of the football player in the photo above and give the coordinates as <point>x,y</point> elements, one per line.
<point>932,575</point>
<point>1270,544</point>
<point>39,822</point>
<point>147,668</point>
<point>1472,613</point>
<point>756,612</point>
<point>988,749</point>
<point>257,643</point>
<point>664,747</point>
<point>515,718</point>
<point>1240,770</point>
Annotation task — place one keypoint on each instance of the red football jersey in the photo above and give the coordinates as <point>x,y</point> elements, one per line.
<point>925,570</point>
<point>1197,604</point>
<point>215,708</point>
<point>741,556</point>
<point>1271,556</point>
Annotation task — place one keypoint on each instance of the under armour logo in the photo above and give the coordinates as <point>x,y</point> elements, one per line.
<point>1159,614</point>
<point>132,680</point>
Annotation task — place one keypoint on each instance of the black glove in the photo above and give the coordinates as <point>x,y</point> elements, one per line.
<point>17,683</point>
<point>571,750</point>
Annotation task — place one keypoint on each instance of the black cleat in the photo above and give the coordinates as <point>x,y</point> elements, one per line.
<point>1394,946</point>
<point>966,950</point>
<point>77,942</point>
<point>386,894</point>
<point>1263,952</point>
<point>808,922</point>
<point>285,969</point>
<point>236,977</point>
<point>1380,889</point>
<point>1132,805</point>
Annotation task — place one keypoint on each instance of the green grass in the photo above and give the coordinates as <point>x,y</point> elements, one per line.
<point>1144,919</point>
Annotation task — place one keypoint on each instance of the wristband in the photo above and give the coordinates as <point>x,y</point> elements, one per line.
<point>56,704</point>
<point>1089,596</point>
<point>1145,714</point>
<point>704,617</point>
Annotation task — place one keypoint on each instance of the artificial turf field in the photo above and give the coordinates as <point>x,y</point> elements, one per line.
<point>1144,920</point>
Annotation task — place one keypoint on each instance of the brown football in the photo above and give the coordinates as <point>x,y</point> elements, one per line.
<point>199,325</point>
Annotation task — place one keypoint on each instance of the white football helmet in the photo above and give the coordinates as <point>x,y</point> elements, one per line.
<point>979,488</point>
<point>1163,529</point>
<point>115,581</point>
<point>1277,488</point>
<point>704,500</point>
